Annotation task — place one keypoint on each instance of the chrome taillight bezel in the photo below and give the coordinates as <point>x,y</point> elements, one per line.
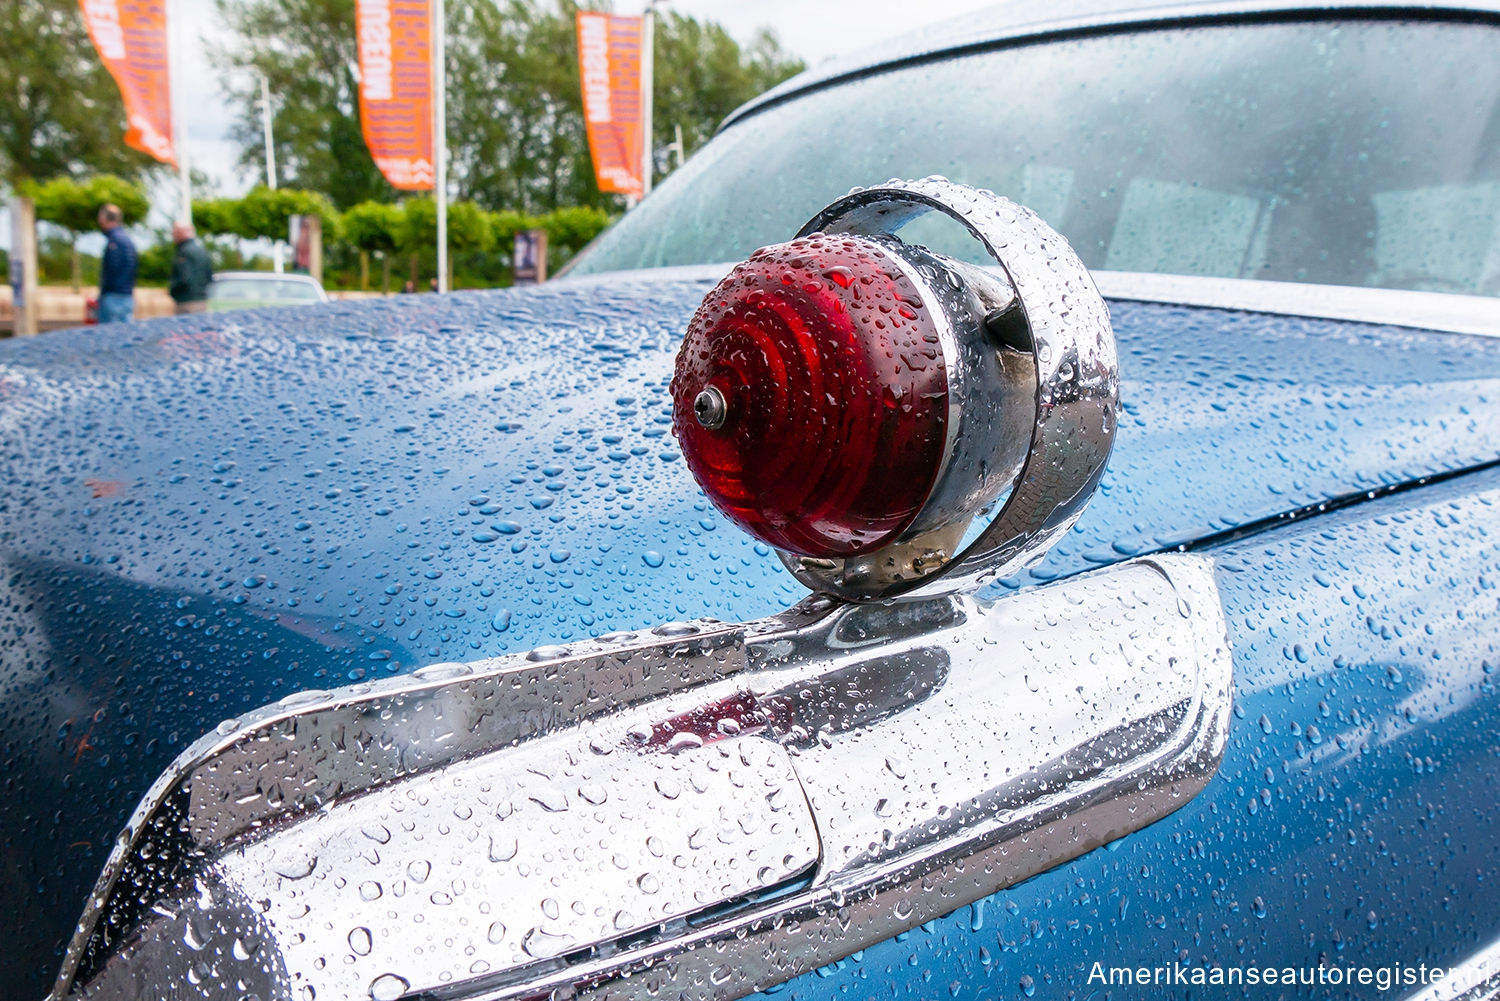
<point>1054,314</point>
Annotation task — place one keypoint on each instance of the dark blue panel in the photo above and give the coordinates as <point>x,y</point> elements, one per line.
<point>202,515</point>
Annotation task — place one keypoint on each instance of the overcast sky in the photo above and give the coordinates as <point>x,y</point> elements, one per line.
<point>815,30</point>
<point>812,29</point>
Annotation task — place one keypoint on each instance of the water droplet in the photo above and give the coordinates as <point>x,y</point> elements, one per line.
<point>388,987</point>
<point>541,944</point>
<point>297,868</point>
<point>194,936</point>
<point>503,849</point>
<point>550,799</point>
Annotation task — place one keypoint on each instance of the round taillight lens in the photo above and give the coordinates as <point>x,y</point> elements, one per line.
<point>811,397</point>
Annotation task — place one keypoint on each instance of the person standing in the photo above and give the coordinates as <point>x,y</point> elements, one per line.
<point>191,271</point>
<point>116,269</point>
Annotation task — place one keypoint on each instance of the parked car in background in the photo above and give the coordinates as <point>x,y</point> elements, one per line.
<point>389,649</point>
<point>256,289</point>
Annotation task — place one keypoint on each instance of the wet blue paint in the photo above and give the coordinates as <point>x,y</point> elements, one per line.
<point>202,515</point>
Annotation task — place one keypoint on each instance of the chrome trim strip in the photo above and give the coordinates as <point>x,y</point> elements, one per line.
<point>1475,979</point>
<point>851,772</point>
<point>1435,312</point>
<point>970,34</point>
<point>1460,314</point>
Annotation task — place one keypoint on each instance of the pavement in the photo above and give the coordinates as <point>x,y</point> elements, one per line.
<point>61,307</point>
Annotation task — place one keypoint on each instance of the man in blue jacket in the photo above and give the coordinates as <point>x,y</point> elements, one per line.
<point>116,269</point>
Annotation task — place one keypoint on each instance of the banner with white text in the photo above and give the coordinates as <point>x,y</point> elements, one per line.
<point>609,60</point>
<point>131,39</point>
<point>395,88</point>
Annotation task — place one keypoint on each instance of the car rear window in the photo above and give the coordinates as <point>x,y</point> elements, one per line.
<point>261,290</point>
<point>1338,152</point>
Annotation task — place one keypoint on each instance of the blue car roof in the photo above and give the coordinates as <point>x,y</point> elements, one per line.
<point>1012,22</point>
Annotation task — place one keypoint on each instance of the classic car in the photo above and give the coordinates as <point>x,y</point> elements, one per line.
<point>255,289</point>
<point>1140,645</point>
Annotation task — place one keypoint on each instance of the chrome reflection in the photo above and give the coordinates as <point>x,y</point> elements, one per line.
<point>702,812</point>
<point>1475,979</point>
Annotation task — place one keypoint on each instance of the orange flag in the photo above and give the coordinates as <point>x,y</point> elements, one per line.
<point>395,88</point>
<point>131,38</point>
<point>609,59</point>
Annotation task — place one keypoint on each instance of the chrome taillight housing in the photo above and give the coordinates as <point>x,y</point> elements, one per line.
<point>858,402</point>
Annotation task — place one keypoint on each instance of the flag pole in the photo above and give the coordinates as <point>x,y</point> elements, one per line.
<point>648,71</point>
<point>440,140</point>
<point>265,125</point>
<point>179,126</point>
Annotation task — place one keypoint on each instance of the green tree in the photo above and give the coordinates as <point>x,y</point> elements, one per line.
<point>701,74</point>
<point>468,229</point>
<point>266,212</point>
<point>60,113</point>
<point>216,215</point>
<point>307,51</point>
<point>374,228</point>
<point>516,132</point>
<point>468,233</point>
<point>263,213</point>
<point>155,261</point>
<point>568,230</point>
<point>514,97</point>
<point>74,206</point>
<point>571,229</point>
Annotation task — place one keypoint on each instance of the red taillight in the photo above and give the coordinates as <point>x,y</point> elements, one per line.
<point>861,403</point>
<point>811,397</point>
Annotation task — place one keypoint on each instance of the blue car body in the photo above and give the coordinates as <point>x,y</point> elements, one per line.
<point>203,515</point>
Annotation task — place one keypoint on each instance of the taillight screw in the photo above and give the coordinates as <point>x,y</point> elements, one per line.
<point>710,409</point>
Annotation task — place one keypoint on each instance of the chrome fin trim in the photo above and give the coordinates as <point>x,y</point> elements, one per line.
<point>1475,979</point>
<point>736,806</point>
